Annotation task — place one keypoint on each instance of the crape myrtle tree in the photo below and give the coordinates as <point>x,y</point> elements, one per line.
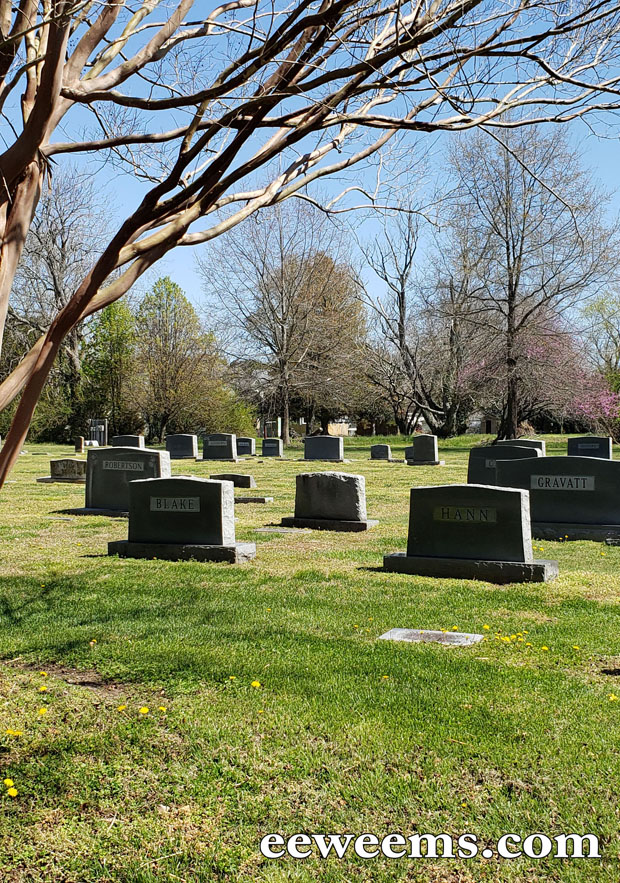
<point>200,107</point>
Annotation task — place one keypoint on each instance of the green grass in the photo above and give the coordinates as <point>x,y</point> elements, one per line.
<point>344,734</point>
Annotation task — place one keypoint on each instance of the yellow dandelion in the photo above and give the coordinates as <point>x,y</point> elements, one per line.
<point>161,708</point>
<point>385,677</point>
<point>232,677</point>
<point>576,647</point>
<point>42,711</point>
<point>9,783</point>
<point>355,626</point>
<point>612,697</point>
<point>464,805</point>
<point>528,644</point>
<point>43,674</point>
<point>11,732</point>
<point>260,711</point>
<point>544,648</point>
<point>455,628</point>
<point>255,684</point>
<point>144,710</point>
<point>486,627</point>
<point>12,792</point>
<point>43,689</point>
<point>121,708</point>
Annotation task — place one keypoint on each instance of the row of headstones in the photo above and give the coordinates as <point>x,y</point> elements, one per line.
<point>423,451</point>
<point>483,461</point>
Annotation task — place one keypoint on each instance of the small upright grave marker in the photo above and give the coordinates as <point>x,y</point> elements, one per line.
<point>599,446</point>
<point>69,470</point>
<point>470,531</point>
<point>79,444</point>
<point>380,452</point>
<point>128,441</point>
<point>182,518</point>
<point>423,452</point>
<point>220,446</point>
<point>246,447</point>
<point>330,501</point>
<point>182,446</point>
<point>272,447</point>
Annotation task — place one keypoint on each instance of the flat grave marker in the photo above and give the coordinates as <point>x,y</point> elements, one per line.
<point>429,636</point>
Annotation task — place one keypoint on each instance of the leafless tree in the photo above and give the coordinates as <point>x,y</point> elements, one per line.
<point>201,108</point>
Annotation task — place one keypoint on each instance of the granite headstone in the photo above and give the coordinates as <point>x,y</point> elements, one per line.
<point>324,447</point>
<point>110,470</point>
<point>423,451</point>
<point>272,447</point>
<point>599,446</point>
<point>330,501</point>
<point>246,447</point>
<point>482,461</point>
<point>182,446</point>
<point>128,441</point>
<point>380,452</point>
<point>220,446</point>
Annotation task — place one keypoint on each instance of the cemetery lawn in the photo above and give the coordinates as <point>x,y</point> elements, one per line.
<point>158,718</point>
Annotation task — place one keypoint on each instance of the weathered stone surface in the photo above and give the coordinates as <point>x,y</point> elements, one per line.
<point>324,447</point>
<point>220,446</point>
<point>333,495</point>
<point>482,461</point>
<point>380,452</point>
<point>567,491</point>
<point>110,470</point>
<point>79,444</point>
<point>272,447</point>
<point>599,446</point>
<point>246,447</point>
<point>182,446</point>
<point>239,553</point>
<point>237,480</point>
<point>182,509</point>
<point>539,444</point>
<point>470,521</point>
<point>498,572</point>
<point>428,636</point>
<point>68,467</point>
<point>128,441</point>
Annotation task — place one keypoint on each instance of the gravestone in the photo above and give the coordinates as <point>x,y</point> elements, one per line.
<point>330,501</point>
<point>272,447</point>
<point>237,480</point>
<point>98,430</point>
<point>246,447</point>
<point>109,472</point>
<point>79,444</point>
<point>599,446</point>
<point>182,446</point>
<point>68,469</point>
<point>470,531</point>
<point>220,446</point>
<point>430,636</point>
<point>423,452</point>
<point>128,441</point>
<point>324,447</point>
<point>539,444</point>
<point>575,498</point>
<point>380,452</point>
<point>182,518</point>
<point>91,443</point>
<point>482,461</point>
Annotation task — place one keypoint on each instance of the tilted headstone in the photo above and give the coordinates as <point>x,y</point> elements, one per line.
<point>324,447</point>
<point>539,444</point>
<point>272,447</point>
<point>110,470</point>
<point>181,518</point>
<point>220,446</point>
<point>79,444</point>
<point>423,451</point>
<point>237,480</point>
<point>380,452</point>
<point>599,446</point>
<point>182,446</point>
<point>570,497</point>
<point>330,501</point>
<point>128,441</point>
<point>68,469</point>
<point>470,531</point>
<point>482,461</point>
<point>246,447</point>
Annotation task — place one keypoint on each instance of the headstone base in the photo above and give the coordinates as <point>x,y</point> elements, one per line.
<point>238,553</point>
<point>49,480</point>
<point>328,524</point>
<point>213,460</point>
<point>253,499</point>
<point>547,530</point>
<point>540,571</point>
<point>109,513</point>
<point>425,462</point>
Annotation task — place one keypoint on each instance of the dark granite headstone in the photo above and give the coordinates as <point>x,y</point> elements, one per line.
<point>128,441</point>
<point>570,497</point>
<point>482,461</point>
<point>470,531</point>
<point>182,446</point>
<point>180,518</point>
<point>599,446</point>
<point>380,452</point>
<point>109,471</point>
<point>272,447</point>
<point>220,446</point>
<point>330,501</point>
<point>324,447</point>
<point>423,451</point>
<point>246,447</point>
<point>539,444</point>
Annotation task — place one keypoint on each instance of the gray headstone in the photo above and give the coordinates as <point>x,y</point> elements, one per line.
<point>470,531</point>
<point>68,468</point>
<point>79,444</point>
<point>246,447</point>
<point>182,446</point>
<point>423,450</point>
<point>98,430</point>
<point>332,495</point>
<point>272,447</point>
<point>237,480</point>
<point>539,444</point>
<point>482,461</point>
<point>567,491</point>
<point>109,471</point>
<point>91,443</point>
<point>128,441</point>
<point>380,452</point>
<point>220,446</point>
<point>324,447</point>
<point>599,446</point>
<point>182,510</point>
